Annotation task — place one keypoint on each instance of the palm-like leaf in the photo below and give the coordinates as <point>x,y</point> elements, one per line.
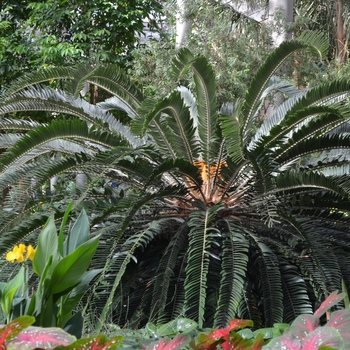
<point>204,211</point>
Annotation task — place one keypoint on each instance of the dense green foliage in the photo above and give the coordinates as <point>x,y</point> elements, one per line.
<point>44,33</point>
<point>304,333</point>
<point>213,212</point>
<point>236,45</point>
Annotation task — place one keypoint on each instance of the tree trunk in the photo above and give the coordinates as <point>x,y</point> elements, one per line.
<point>284,9</point>
<point>340,33</point>
<point>280,11</point>
<point>183,24</point>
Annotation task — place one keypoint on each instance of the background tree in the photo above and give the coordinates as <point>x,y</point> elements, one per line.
<point>236,37</point>
<point>43,33</point>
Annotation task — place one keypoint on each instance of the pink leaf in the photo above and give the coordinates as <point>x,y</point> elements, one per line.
<point>323,336</point>
<point>330,301</point>
<point>37,337</point>
<point>177,343</point>
<point>340,320</point>
<point>239,324</point>
<point>285,342</point>
<point>303,325</point>
<point>15,327</point>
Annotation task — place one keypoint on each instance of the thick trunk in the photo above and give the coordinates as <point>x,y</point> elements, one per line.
<point>280,11</point>
<point>183,24</point>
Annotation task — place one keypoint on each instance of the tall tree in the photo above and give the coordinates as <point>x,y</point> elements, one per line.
<point>52,32</point>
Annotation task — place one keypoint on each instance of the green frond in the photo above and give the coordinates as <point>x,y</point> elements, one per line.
<point>113,80</point>
<point>316,43</point>
<point>180,64</point>
<point>249,308</point>
<point>160,134</point>
<point>270,280</point>
<point>300,145</point>
<point>178,120</point>
<point>178,166</point>
<point>40,76</point>
<point>234,263</point>
<point>271,122</point>
<point>231,131</point>
<point>17,124</point>
<point>204,79</point>
<point>114,103</point>
<point>265,72</point>
<point>323,268</point>
<point>78,79</point>
<point>26,226</point>
<point>305,123</point>
<point>139,240</point>
<point>325,94</point>
<point>291,181</point>
<point>131,211</point>
<point>166,271</point>
<point>201,237</point>
<point>295,297</point>
<point>56,130</point>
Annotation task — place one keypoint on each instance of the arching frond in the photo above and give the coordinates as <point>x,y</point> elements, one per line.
<point>265,72</point>
<point>201,235</point>
<point>234,264</point>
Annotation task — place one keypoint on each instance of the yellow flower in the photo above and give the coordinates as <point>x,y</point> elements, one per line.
<point>11,256</point>
<point>30,252</point>
<point>18,253</point>
<point>22,248</point>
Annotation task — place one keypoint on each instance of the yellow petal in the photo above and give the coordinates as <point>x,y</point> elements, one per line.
<point>18,252</point>
<point>11,256</point>
<point>22,248</point>
<point>20,258</point>
<point>30,252</point>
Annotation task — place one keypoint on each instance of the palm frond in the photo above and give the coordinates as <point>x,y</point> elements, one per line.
<point>127,256</point>
<point>231,131</point>
<point>40,76</point>
<point>182,141</point>
<point>301,145</point>
<point>265,72</point>
<point>113,80</point>
<point>295,297</point>
<point>271,285</point>
<point>204,79</point>
<point>166,271</point>
<point>201,235</point>
<point>291,181</point>
<point>234,259</point>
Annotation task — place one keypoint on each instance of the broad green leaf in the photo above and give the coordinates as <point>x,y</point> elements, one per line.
<point>71,300</point>
<point>47,316</point>
<point>180,325</point>
<point>79,233</point>
<point>43,288</point>
<point>10,290</point>
<point>99,342</point>
<point>47,246</point>
<point>63,224</point>
<point>68,272</point>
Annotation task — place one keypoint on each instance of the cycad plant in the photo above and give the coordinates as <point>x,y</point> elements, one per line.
<point>225,212</point>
